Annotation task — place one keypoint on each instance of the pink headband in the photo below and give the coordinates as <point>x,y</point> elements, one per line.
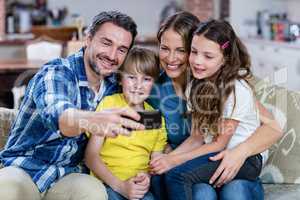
<point>225,45</point>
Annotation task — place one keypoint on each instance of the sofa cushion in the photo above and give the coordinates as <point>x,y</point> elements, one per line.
<point>6,118</point>
<point>282,191</point>
<point>283,165</point>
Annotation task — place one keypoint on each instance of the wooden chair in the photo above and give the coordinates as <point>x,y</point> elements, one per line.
<point>44,48</point>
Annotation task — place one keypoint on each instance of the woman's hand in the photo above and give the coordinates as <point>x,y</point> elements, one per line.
<point>163,163</point>
<point>232,161</point>
<point>168,149</point>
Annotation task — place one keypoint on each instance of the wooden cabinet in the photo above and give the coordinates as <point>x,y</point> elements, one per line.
<point>276,62</point>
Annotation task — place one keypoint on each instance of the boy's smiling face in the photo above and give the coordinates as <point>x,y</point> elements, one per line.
<point>136,88</point>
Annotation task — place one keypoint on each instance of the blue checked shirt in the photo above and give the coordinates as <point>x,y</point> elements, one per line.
<point>35,143</point>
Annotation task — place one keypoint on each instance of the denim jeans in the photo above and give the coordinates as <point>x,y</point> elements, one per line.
<point>113,195</point>
<point>203,191</point>
<point>179,180</point>
<point>237,189</point>
<point>200,190</point>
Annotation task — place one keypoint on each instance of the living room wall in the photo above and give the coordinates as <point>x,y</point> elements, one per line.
<point>144,12</point>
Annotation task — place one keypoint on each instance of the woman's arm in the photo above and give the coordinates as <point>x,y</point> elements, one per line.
<point>228,128</point>
<point>232,160</point>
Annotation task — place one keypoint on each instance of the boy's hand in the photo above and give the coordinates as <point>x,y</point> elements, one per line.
<point>132,190</point>
<point>143,179</point>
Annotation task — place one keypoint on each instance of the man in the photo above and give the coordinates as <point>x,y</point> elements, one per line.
<point>43,155</point>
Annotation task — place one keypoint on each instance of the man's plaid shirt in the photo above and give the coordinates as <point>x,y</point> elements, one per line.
<point>35,143</point>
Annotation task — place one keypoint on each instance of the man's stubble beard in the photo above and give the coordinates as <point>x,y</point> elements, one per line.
<point>94,68</point>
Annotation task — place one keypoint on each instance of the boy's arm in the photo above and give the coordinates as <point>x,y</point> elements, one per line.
<point>128,188</point>
<point>161,140</point>
<point>96,164</point>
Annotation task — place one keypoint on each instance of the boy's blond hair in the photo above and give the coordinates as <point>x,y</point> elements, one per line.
<point>143,61</point>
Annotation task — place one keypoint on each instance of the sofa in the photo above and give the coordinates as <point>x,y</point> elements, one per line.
<point>281,174</point>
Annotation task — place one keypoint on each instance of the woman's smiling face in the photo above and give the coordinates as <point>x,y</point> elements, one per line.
<point>172,54</point>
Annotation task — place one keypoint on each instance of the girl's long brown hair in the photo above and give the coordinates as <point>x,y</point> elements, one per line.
<point>208,96</point>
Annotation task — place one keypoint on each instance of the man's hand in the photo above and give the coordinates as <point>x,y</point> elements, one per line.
<point>163,163</point>
<point>133,189</point>
<point>111,122</point>
<point>232,161</point>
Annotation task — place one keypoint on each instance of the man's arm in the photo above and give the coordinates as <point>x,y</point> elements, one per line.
<point>55,95</point>
<point>111,122</point>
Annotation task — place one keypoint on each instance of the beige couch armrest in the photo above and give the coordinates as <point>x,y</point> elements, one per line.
<point>7,116</point>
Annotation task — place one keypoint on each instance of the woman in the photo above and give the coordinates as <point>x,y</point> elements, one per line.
<point>174,38</point>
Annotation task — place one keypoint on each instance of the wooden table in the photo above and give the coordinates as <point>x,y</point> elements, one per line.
<point>9,71</point>
<point>13,66</point>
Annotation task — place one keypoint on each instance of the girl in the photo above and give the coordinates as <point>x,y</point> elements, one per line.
<point>222,107</point>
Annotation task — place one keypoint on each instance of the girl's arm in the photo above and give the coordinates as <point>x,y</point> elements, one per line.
<point>192,142</point>
<point>228,127</point>
<point>155,154</point>
<point>164,163</point>
<point>232,160</point>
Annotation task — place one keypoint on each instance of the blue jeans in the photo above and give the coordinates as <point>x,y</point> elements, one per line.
<point>203,191</point>
<point>200,190</point>
<point>113,195</point>
<point>179,180</point>
<point>237,189</point>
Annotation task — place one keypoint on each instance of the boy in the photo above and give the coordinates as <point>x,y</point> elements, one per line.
<point>123,161</point>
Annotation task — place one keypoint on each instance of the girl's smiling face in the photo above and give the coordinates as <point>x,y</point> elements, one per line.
<point>206,57</point>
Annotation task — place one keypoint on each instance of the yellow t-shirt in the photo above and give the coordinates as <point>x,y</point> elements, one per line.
<point>125,156</point>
